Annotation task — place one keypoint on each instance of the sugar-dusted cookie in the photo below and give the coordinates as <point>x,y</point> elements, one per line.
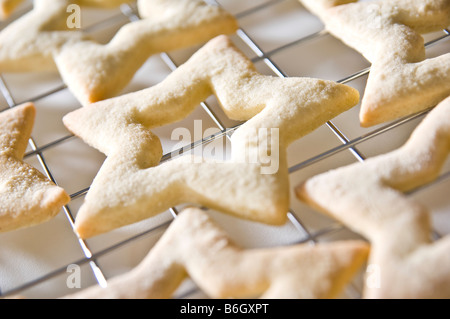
<point>194,246</point>
<point>27,197</point>
<point>132,184</point>
<point>101,3</point>
<point>368,197</point>
<point>7,7</point>
<point>402,81</point>
<point>95,71</point>
<point>318,6</point>
<point>28,43</point>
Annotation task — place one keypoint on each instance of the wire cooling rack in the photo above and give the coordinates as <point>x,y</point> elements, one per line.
<point>282,39</point>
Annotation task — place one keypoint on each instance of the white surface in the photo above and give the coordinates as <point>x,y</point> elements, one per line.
<point>31,254</point>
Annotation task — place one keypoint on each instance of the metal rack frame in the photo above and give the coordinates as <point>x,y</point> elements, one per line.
<point>347,145</point>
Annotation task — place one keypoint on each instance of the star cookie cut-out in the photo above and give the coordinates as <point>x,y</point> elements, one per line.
<point>402,81</point>
<point>29,43</point>
<point>133,185</point>
<point>27,197</point>
<point>368,198</point>
<point>8,7</point>
<point>195,246</point>
<point>95,71</point>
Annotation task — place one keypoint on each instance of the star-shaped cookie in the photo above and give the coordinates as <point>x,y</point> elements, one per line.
<point>95,71</point>
<point>132,184</point>
<point>28,43</point>
<point>195,246</point>
<point>7,7</point>
<point>27,197</point>
<point>402,81</point>
<point>368,197</point>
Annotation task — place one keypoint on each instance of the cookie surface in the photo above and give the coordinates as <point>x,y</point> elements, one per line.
<point>29,43</point>
<point>195,246</point>
<point>132,185</point>
<point>27,197</point>
<point>94,71</point>
<point>402,81</point>
<point>7,7</point>
<point>369,198</point>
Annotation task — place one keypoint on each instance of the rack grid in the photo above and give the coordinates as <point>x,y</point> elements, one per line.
<point>40,263</point>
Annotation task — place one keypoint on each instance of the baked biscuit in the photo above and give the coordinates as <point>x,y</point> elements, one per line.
<point>27,197</point>
<point>95,71</point>
<point>102,3</point>
<point>132,184</point>
<point>28,43</point>
<point>7,7</point>
<point>368,198</point>
<point>195,246</point>
<point>402,81</point>
<point>318,6</point>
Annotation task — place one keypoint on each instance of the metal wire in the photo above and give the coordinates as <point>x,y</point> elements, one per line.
<point>87,252</point>
<point>306,235</point>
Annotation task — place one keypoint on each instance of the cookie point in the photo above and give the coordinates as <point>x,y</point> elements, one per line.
<point>366,121</point>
